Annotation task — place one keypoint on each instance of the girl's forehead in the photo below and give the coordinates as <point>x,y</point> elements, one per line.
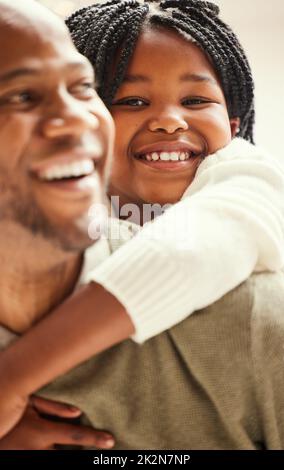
<point>160,46</point>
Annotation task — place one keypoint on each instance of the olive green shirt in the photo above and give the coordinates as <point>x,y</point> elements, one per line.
<point>215,381</point>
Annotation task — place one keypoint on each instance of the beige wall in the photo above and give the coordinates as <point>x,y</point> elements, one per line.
<point>259,25</point>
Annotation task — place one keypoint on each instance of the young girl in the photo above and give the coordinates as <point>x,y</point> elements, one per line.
<point>179,88</point>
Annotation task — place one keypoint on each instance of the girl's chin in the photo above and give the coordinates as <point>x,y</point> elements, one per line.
<point>154,194</point>
<point>169,196</point>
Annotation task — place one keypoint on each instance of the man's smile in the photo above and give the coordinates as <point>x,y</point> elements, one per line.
<point>74,169</point>
<point>70,171</point>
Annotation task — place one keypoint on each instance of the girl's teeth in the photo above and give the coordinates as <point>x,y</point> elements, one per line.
<point>166,156</point>
<point>174,156</point>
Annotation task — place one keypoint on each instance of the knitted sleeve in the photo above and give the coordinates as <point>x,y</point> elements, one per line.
<point>229,224</point>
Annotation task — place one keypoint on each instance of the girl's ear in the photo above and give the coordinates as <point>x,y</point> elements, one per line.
<point>235,126</point>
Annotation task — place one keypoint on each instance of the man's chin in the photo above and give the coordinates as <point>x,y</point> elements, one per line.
<point>72,239</point>
<point>67,232</point>
<point>65,236</point>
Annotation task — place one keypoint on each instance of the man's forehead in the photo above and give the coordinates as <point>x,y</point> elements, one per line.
<point>21,50</point>
<point>33,38</point>
<point>27,20</point>
<point>17,69</point>
<point>22,13</point>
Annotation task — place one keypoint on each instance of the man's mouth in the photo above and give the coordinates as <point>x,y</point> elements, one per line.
<point>66,171</point>
<point>69,175</point>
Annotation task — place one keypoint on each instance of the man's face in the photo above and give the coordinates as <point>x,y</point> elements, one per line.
<point>56,135</point>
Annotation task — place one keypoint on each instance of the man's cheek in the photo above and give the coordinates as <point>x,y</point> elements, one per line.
<point>14,140</point>
<point>5,182</point>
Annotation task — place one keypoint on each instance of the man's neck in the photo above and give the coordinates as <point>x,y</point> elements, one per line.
<point>35,277</point>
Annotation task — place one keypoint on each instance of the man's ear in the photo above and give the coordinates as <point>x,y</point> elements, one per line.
<point>235,126</point>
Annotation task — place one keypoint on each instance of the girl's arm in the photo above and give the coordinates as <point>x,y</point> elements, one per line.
<point>231,223</point>
<point>90,321</point>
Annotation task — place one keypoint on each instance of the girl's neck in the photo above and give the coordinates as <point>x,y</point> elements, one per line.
<point>133,210</point>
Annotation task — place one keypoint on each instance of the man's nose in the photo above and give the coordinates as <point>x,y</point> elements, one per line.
<point>168,121</point>
<point>68,117</point>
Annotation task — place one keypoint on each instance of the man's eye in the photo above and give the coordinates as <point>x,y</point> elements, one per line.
<point>85,88</point>
<point>24,97</point>
<point>133,102</point>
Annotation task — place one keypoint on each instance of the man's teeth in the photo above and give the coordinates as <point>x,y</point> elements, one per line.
<point>68,170</point>
<point>166,156</point>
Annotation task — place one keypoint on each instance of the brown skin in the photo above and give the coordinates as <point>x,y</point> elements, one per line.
<point>36,432</point>
<point>49,112</point>
<point>54,346</point>
<point>159,108</point>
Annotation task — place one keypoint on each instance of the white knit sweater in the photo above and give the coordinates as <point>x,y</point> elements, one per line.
<point>229,223</point>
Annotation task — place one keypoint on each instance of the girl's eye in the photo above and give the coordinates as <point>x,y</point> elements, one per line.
<point>194,101</point>
<point>133,102</point>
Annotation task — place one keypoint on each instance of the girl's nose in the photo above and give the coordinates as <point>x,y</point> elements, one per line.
<point>168,122</point>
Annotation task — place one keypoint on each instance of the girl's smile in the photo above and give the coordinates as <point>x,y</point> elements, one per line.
<point>177,155</point>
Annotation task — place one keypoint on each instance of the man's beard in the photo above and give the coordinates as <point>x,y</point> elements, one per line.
<point>25,212</point>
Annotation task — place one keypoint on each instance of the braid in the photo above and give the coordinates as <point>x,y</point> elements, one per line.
<point>129,45</point>
<point>106,33</point>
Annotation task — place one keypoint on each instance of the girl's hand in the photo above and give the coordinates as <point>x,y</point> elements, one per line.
<point>37,433</point>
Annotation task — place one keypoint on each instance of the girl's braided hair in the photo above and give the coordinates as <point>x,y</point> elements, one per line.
<point>106,33</point>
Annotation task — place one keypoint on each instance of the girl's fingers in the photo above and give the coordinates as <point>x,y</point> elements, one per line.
<point>55,408</point>
<point>36,433</point>
<point>70,434</point>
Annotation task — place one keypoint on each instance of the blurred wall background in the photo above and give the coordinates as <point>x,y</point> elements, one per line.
<point>259,26</point>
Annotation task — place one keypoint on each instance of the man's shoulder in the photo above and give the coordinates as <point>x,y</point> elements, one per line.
<point>237,340</point>
<point>256,303</point>
<point>261,295</point>
<point>267,319</point>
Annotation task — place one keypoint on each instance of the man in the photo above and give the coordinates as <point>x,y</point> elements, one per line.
<point>178,390</point>
<point>51,121</point>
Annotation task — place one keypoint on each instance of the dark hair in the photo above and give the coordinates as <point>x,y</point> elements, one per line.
<point>107,31</point>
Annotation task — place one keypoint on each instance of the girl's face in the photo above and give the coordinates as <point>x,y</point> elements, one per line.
<point>169,112</point>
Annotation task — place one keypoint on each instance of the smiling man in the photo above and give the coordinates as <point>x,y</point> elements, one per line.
<point>56,137</point>
<point>56,143</point>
